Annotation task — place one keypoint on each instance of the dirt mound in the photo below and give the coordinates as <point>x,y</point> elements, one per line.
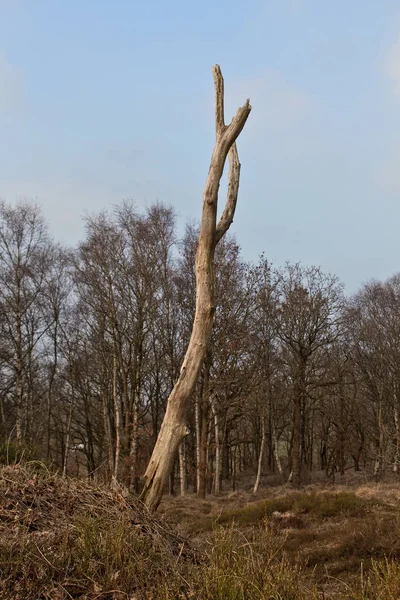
<point>64,538</point>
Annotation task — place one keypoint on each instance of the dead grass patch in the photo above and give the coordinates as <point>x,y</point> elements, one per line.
<point>313,505</point>
<point>62,538</point>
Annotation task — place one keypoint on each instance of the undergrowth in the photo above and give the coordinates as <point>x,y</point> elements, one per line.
<point>63,539</point>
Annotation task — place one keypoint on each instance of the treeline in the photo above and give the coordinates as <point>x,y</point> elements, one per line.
<point>298,378</point>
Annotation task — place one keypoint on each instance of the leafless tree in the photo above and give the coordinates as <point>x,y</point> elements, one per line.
<point>309,321</point>
<point>174,427</point>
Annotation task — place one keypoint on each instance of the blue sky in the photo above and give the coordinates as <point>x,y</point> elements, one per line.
<point>101,101</point>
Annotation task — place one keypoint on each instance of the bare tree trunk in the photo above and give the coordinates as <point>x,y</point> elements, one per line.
<point>296,447</point>
<point>134,433</point>
<point>203,452</point>
<point>50,389</point>
<point>133,452</point>
<point>297,426</point>
<point>171,482</point>
<point>20,365</point>
<point>217,471</point>
<point>173,428</point>
<point>208,474</point>
<point>182,468</point>
<point>378,467</point>
<point>261,455</point>
<point>234,467</point>
<point>397,441</point>
<point>205,399</point>
<point>20,392</point>
<point>108,436</point>
<point>225,451</point>
<point>276,453</point>
<point>68,436</point>
<point>117,417</point>
<point>2,419</point>
<point>198,440</point>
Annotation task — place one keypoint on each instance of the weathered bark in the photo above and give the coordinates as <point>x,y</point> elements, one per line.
<point>173,428</point>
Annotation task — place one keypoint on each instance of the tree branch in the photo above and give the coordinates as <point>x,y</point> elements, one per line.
<point>226,219</point>
<point>236,125</point>
<point>219,100</point>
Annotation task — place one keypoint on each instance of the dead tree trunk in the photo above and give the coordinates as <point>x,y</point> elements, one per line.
<point>174,428</point>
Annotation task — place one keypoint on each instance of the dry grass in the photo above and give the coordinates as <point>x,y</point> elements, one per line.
<point>345,536</point>
<point>197,516</point>
<point>63,539</point>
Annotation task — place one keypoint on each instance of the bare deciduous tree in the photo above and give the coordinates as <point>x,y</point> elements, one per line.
<point>309,322</point>
<point>174,428</point>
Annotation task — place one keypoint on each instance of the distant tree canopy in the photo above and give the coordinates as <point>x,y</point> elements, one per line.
<point>298,378</point>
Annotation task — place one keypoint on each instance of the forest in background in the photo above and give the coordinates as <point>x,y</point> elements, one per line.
<point>299,378</point>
